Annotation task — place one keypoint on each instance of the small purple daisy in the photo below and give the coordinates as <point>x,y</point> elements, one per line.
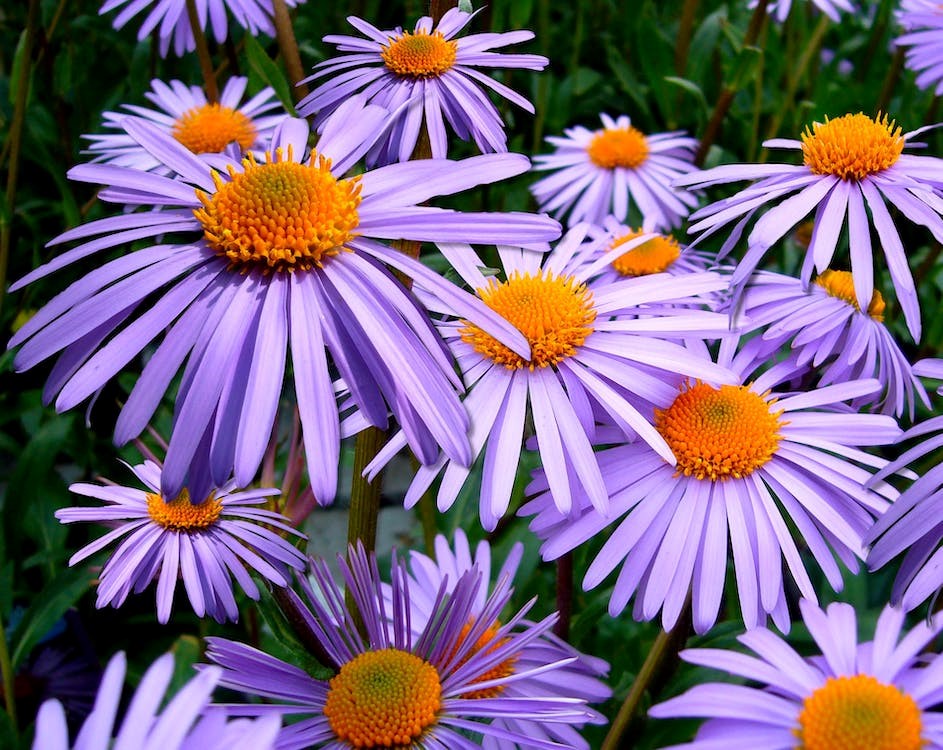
<point>612,171</point>
<point>428,76</point>
<point>878,695</point>
<point>922,20</point>
<point>779,9</point>
<point>206,543</point>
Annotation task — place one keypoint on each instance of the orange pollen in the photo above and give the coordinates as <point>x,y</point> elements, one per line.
<point>718,433</point>
<point>555,314</point>
<point>182,515</point>
<point>852,146</point>
<point>486,643</point>
<point>209,128</point>
<point>840,284</point>
<point>859,713</point>
<point>420,55</point>
<point>654,256</point>
<point>383,699</point>
<point>618,147</point>
<point>280,215</point>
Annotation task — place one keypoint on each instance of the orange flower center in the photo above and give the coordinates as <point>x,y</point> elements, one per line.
<point>852,146</point>
<point>554,313</point>
<point>840,284</point>
<point>486,643</point>
<point>182,515</point>
<point>618,147</point>
<point>383,699</point>
<point>209,128</point>
<point>654,256</point>
<point>420,55</point>
<point>859,713</point>
<point>280,215</point>
<point>718,433</point>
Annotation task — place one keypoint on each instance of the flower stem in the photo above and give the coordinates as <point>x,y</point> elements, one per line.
<point>685,29</point>
<point>288,46</point>
<point>890,81</point>
<point>203,54</point>
<point>365,495</point>
<point>6,667</point>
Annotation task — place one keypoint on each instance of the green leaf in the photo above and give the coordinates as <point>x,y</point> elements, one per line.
<point>691,87</point>
<point>745,67</point>
<point>187,652</point>
<point>18,63</point>
<point>286,641</point>
<point>269,72</point>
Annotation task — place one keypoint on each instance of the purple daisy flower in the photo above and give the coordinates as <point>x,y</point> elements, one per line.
<point>748,459</point>
<point>187,722</point>
<point>428,76</point>
<point>609,171</point>
<point>185,114</point>
<point>851,165</point>
<point>170,19</point>
<point>829,333</point>
<point>275,257</point>
<point>923,22</point>
<point>877,695</point>
<point>205,543</point>
<point>593,353</point>
<point>392,687</point>
<point>779,9</point>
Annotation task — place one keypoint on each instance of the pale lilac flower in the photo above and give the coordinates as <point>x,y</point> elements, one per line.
<point>752,464</point>
<point>207,543</point>
<point>922,20</point>
<point>779,9</point>
<point>879,694</point>
<point>616,170</point>
<point>429,76</point>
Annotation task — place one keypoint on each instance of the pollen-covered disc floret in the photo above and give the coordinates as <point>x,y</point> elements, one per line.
<point>859,713</point>
<point>554,313</point>
<point>383,699</point>
<point>209,128</point>
<point>618,147</point>
<point>485,644</point>
<point>718,433</point>
<point>280,215</point>
<point>841,285</point>
<point>852,146</point>
<point>420,55</point>
<point>654,256</point>
<point>182,515</point>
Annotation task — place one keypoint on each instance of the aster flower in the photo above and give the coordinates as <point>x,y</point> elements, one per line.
<point>172,23</point>
<point>878,694</point>
<point>923,22</point>
<point>428,75</point>
<point>748,461</point>
<point>392,688</point>
<point>184,113</point>
<point>851,165</point>
<point>592,354</point>
<point>829,332</point>
<point>779,9</point>
<point>185,723</point>
<point>616,169</point>
<point>205,543</point>
<point>273,258</point>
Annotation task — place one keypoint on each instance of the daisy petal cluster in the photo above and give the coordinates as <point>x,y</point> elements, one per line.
<point>922,21</point>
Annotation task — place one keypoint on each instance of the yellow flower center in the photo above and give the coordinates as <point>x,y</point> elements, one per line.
<point>859,713</point>
<point>209,128</point>
<point>383,699</point>
<point>280,215</point>
<point>840,284</point>
<point>182,515</point>
<point>486,643</point>
<point>654,256</point>
<point>717,433</point>
<point>618,147</point>
<point>420,55</point>
<point>554,313</point>
<point>852,146</point>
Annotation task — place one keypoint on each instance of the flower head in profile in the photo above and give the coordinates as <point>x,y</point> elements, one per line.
<point>187,722</point>
<point>616,170</point>
<point>852,166</point>
<point>750,465</point>
<point>428,76</point>
<point>922,21</point>
<point>207,543</point>
<point>779,9</point>
<point>396,688</point>
<point>185,113</point>
<point>873,695</point>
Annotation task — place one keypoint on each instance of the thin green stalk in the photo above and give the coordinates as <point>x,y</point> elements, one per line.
<point>6,668</point>
<point>890,81</point>
<point>288,46</point>
<point>757,100</point>
<point>203,54</point>
<point>543,82</point>
<point>685,30</point>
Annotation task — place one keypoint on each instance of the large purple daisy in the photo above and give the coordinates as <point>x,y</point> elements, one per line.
<point>922,20</point>
<point>429,76</point>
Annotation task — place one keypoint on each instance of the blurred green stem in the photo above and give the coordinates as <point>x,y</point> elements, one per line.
<point>890,82</point>
<point>683,42</point>
<point>203,54</point>
<point>288,46</point>
<point>6,667</point>
<point>543,81</point>
<point>757,101</point>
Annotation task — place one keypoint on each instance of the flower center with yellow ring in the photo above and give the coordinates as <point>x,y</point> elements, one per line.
<point>420,55</point>
<point>555,314</point>
<point>859,713</point>
<point>718,433</point>
<point>182,515</point>
<point>383,699</point>
<point>280,215</point>
<point>209,128</point>
<point>852,146</point>
<point>653,256</point>
<point>618,147</point>
<point>486,644</point>
<point>841,285</point>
